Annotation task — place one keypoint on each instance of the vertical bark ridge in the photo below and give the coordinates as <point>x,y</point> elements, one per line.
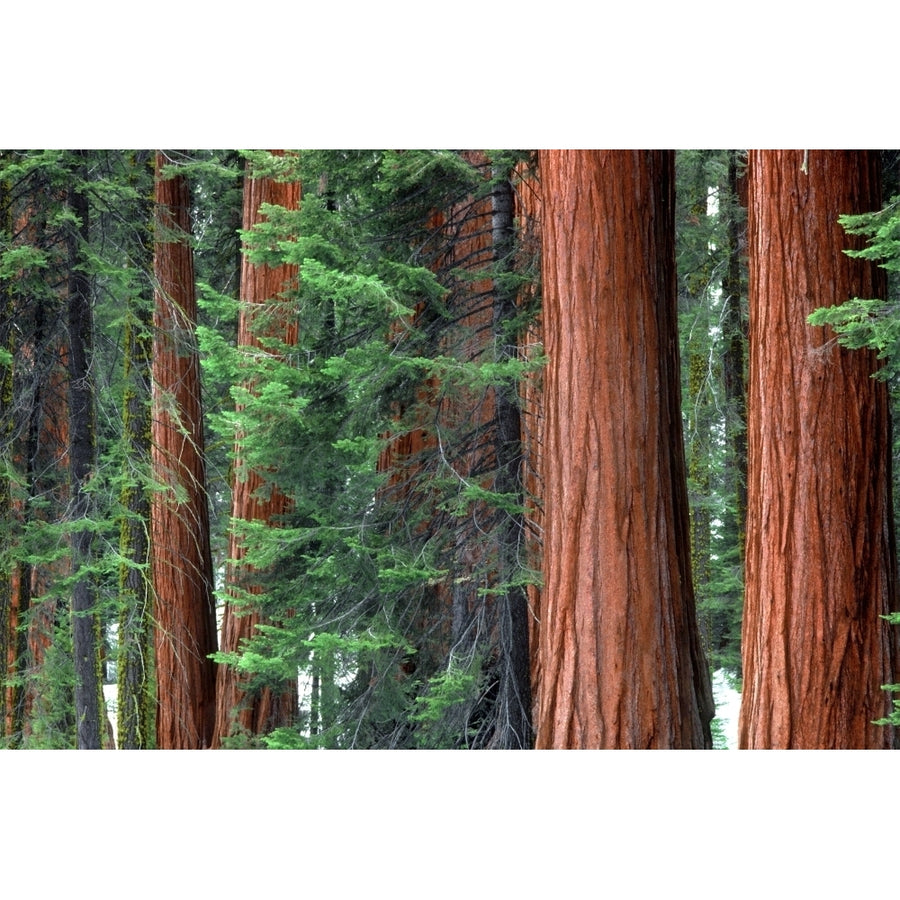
<point>621,664</point>
<point>182,559</point>
<point>820,545</point>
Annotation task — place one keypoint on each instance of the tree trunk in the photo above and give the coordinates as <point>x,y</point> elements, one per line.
<point>514,729</point>
<point>82,451</point>
<point>528,217</point>
<point>7,432</point>
<point>135,696</point>
<point>252,499</point>
<point>621,660</point>
<point>182,561</point>
<point>820,544</point>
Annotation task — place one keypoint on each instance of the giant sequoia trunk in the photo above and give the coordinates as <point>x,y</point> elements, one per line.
<point>252,499</point>
<point>820,548</point>
<point>621,663</point>
<point>182,561</point>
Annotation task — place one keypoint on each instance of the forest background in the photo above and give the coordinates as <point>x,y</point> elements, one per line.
<point>382,795</point>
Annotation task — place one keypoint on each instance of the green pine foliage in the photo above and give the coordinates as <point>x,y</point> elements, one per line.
<point>34,269</point>
<point>706,209</point>
<point>867,322</point>
<point>384,586</point>
<point>357,581</point>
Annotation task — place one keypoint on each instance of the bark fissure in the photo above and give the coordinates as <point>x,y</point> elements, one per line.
<point>627,670</point>
<point>819,551</point>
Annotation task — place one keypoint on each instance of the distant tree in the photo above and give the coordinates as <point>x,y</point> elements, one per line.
<point>621,663</point>
<point>820,554</point>
<point>182,561</point>
<point>712,317</point>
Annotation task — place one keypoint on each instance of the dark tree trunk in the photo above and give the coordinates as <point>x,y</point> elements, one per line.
<point>136,712</point>
<point>527,208</point>
<point>514,729</point>
<point>82,451</point>
<point>182,560</point>
<point>621,662</point>
<point>820,556</point>
<point>7,430</point>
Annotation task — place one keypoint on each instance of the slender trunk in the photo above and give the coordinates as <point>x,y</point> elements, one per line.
<point>136,712</point>
<point>820,545</point>
<point>621,659</point>
<point>7,431</point>
<point>82,450</point>
<point>514,729</point>
<point>25,575</point>
<point>528,216</point>
<point>182,560</point>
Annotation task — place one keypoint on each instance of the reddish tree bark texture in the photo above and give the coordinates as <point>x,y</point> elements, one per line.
<point>621,662</point>
<point>820,547</point>
<point>182,561</point>
<point>261,287</point>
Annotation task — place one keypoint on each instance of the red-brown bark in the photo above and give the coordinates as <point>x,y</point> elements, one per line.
<point>182,561</point>
<point>820,549</point>
<point>261,289</point>
<point>621,663</point>
<point>42,457</point>
<point>45,460</point>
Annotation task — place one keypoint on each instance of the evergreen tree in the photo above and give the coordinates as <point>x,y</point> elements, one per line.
<point>38,260</point>
<point>267,324</point>
<point>388,565</point>
<point>711,302</point>
<point>82,461</point>
<point>136,688</point>
<point>7,430</point>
